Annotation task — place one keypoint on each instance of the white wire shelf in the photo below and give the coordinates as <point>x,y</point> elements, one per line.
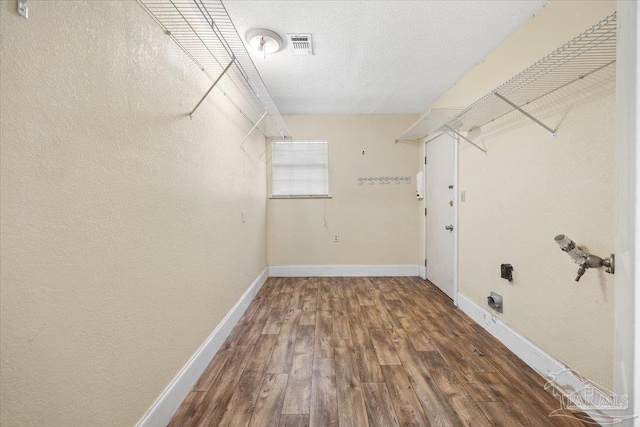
<point>204,30</point>
<point>579,66</point>
<point>429,123</point>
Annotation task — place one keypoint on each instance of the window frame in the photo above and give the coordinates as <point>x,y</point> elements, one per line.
<point>300,196</point>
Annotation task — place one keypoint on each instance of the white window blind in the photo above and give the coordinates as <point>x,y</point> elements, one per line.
<point>299,168</point>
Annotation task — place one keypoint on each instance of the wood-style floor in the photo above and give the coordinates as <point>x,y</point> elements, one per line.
<point>363,352</point>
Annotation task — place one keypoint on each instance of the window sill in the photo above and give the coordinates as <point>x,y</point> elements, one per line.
<point>301,197</point>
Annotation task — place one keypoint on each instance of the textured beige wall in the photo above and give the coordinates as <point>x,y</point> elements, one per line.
<point>531,187</point>
<point>122,244</point>
<point>378,224</point>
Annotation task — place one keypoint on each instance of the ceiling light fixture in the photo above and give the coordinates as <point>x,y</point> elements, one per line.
<point>264,41</point>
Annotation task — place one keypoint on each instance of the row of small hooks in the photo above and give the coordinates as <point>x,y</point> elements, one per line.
<point>383,179</point>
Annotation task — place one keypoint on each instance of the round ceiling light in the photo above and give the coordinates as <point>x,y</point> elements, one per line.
<point>264,41</point>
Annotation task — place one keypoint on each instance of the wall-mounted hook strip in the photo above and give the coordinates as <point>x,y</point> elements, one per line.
<point>383,179</point>
<point>233,59</point>
<point>484,150</point>
<point>23,9</point>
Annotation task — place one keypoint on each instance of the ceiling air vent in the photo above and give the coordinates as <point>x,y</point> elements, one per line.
<point>301,44</point>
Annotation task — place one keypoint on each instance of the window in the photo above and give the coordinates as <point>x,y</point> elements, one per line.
<point>299,168</point>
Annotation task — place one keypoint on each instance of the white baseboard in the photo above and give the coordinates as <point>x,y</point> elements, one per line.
<point>530,354</point>
<point>343,270</point>
<point>565,380</point>
<point>166,405</point>
<point>423,272</point>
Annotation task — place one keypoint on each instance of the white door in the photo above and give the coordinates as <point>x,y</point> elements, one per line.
<point>440,197</point>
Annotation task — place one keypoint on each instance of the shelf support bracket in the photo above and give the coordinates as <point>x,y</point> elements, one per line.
<point>252,129</point>
<point>440,133</point>
<point>484,150</point>
<point>233,59</point>
<point>553,132</point>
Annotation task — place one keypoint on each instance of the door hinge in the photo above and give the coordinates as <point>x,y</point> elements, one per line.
<point>425,160</point>
<point>425,263</point>
<point>425,211</point>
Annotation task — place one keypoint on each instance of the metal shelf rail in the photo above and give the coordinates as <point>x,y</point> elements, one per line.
<point>583,62</point>
<point>204,30</point>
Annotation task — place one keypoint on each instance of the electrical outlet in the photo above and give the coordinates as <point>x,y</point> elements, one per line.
<point>336,238</point>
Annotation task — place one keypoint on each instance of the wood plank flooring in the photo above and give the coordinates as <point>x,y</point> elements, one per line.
<point>363,352</point>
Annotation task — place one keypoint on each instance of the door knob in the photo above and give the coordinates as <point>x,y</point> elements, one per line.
<point>448,227</point>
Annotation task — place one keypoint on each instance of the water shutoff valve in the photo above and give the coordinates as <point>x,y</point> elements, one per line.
<point>584,259</point>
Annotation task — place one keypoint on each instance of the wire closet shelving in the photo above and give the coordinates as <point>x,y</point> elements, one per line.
<point>577,67</point>
<point>204,30</point>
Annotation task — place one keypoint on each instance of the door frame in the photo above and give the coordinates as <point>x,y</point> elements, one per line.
<point>626,359</point>
<point>456,180</point>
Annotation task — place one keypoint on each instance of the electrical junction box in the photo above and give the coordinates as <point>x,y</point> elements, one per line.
<point>506,272</point>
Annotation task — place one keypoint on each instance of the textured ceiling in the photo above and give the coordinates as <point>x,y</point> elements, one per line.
<point>386,57</point>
